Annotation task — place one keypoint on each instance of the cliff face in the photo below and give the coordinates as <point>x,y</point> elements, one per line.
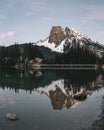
<point>56,35</point>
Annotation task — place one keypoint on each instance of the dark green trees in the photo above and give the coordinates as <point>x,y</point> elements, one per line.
<point>76,54</point>
<point>16,54</point>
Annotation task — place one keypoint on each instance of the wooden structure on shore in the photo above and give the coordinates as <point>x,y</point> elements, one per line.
<point>65,66</point>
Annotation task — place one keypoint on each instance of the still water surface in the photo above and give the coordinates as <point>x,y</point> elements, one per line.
<point>43,100</point>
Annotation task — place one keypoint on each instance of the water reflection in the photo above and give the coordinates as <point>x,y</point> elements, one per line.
<point>60,86</point>
<point>62,93</point>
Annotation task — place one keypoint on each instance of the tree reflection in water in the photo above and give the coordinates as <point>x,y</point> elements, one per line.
<point>61,92</point>
<point>60,86</point>
<point>60,99</point>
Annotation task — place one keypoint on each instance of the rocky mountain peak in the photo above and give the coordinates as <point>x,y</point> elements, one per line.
<point>64,39</point>
<point>68,33</point>
<point>56,35</point>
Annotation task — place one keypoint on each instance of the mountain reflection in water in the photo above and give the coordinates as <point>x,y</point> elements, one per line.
<point>46,99</point>
<point>60,86</point>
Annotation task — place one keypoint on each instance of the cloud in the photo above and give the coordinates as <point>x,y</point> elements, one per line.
<point>6,35</point>
<point>9,34</point>
<point>92,13</point>
<point>2,35</point>
<point>96,16</point>
<point>92,17</point>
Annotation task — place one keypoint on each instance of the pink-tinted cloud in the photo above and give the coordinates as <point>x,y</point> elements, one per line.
<point>9,34</point>
<point>93,13</point>
<point>92,17</point>
<point>2,35</point>
<point>5,35</point>
<point>96,16</point>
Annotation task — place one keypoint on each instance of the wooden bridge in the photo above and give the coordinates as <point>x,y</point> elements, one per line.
<point>65,66</point>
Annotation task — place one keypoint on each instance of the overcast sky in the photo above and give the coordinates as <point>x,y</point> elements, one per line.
<point>31,20</point>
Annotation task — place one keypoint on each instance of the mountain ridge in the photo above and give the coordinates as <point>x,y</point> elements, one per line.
<point>62,46</point>
<point>59,38</point>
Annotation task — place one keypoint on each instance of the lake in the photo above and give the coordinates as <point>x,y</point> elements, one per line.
<point>44,99</point>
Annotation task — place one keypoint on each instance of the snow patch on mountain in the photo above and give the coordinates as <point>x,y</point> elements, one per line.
<point>51,46</point>
<point>59,38</point>
<point>50,87</point>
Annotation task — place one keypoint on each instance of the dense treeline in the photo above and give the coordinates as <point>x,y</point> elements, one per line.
<point>77,54</point>
<point>18,53</point>
<point>15,54</point>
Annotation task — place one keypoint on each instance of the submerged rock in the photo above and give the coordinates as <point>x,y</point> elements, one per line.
<point>80,96</point>
<point>11,116</point>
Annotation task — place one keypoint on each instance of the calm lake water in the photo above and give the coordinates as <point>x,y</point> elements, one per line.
<point>43,100</point>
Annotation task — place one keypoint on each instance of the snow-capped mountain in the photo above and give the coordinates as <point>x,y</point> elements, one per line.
<point>60,38</point>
